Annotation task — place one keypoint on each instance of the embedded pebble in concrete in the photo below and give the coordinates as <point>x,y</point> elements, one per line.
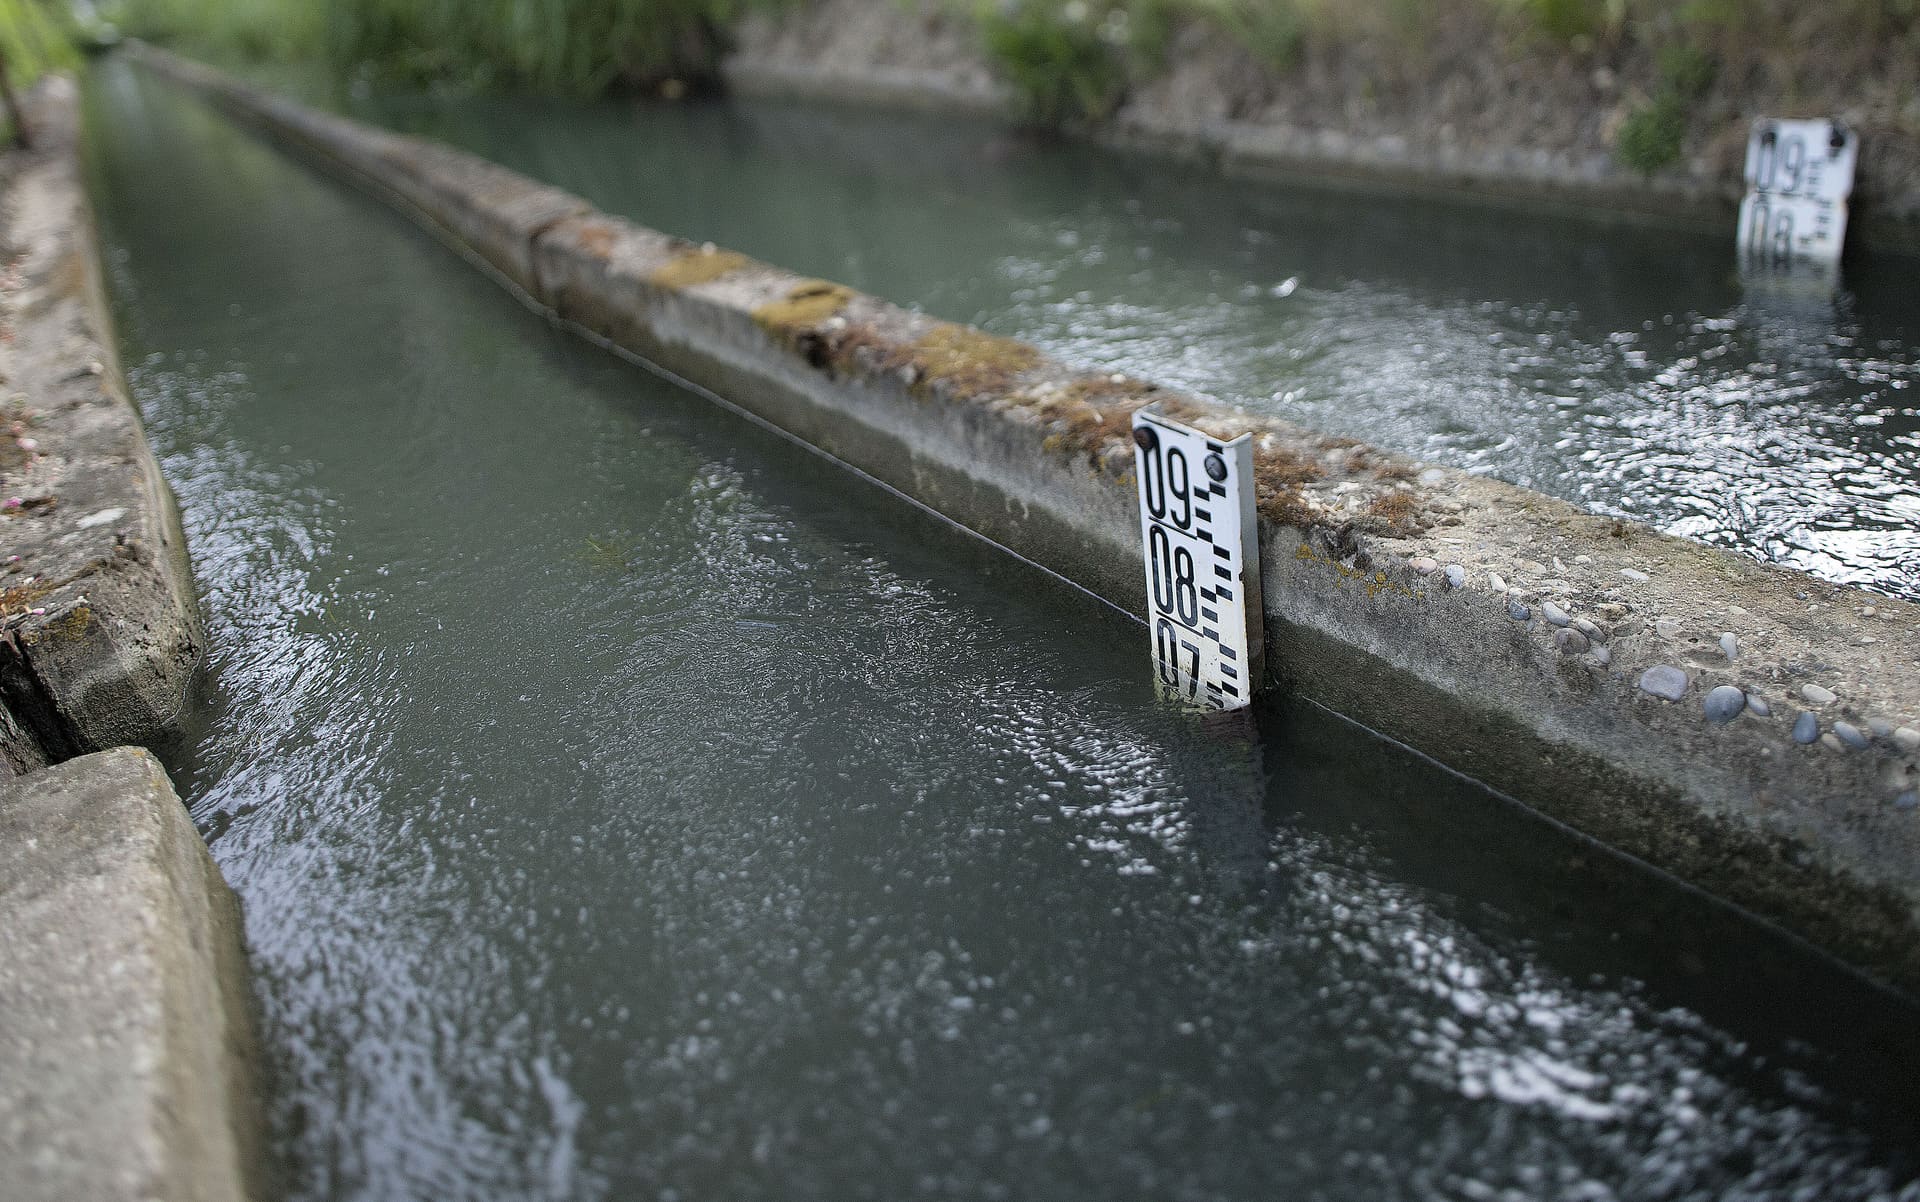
<point>1667,628</point>
<point>1806,728</point>
<point>1907,801</point>
<point>1423,565</point>
<point>1593,633</point>
<point>1554,614</point>
<point>1832,742</point>
<point>1881,728</point>
<point>1570,642</point>
<point>1850,734</point>
<point>1601,656</point>
<point>1636,577</point>
<point>1456,576</point>
<point>1723,704</point>
<point>1498,582</point>
<point>1729,646</point>
<point>1906,738</point>
<point>1759,706</point>
<point>1518,612</point>
<point>1817,695</point>
<point>1664,681</point>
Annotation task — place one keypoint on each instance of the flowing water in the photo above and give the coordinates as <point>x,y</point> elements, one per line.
<point>1621,366</point>
<point>627,804</point>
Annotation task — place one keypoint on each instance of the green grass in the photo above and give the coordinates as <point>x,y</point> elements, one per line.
<point>35,40</point>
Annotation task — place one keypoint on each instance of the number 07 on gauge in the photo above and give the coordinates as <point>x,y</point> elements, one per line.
<point>1200,537</point>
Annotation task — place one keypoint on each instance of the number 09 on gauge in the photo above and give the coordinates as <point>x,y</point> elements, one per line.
<point>1199,532</point>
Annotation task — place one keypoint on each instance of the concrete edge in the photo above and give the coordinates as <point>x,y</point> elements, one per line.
<point>126,1024</point>
<point>100,632</point>
<point>1572,661</point>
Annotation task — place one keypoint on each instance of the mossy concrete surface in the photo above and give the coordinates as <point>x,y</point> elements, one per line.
<point>99,633</point>
<point>126,1036</point>
<point>1564,658</point>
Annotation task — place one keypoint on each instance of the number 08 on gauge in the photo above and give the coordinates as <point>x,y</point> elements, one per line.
<point>1199,532</point>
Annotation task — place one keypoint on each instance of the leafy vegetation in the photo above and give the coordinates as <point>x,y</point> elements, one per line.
<point>1073,62</point>
<point>1272,30</point>
<point>1067,62</point>
<point>254,29</point>
<point>1653,135</point>
<point>569,47</point>
<point>34,40</point>
<point>1686,72</point>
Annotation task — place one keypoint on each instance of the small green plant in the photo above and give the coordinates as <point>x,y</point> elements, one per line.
<point>1687,71</point>
<point>1652,135</point>
<point>1271,30</point>
<point>1567,20</point>
<point>1065,61</point>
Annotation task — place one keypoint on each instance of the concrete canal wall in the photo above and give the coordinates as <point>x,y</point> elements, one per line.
<point>99,631</point>
<point>126,1037</point>
<point>1752,729</point>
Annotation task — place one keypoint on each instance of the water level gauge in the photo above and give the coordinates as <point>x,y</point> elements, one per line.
<point>1201,541</point>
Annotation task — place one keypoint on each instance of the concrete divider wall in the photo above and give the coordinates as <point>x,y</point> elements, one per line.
<point>126,1038</point>
<point>1568,659</point>
<point>99,631</point>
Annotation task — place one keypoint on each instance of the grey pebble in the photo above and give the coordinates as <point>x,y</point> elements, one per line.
<point>1636,577</point>
<point>1456,576</point>
<point>1909,800</point>
<point>1423,565</point>
<point>1665,682</point>
<point>1667,628</point>
<point>1906,738</point>
<point>1498,582</point>
<point>1729,646</point>
<point>1587,628</point>
<point>1816,695</point>
<point>1832,742</point>
<point>1850,734</point>
<point>1570,642</point>
<point>1881,728</point>
<point>1806,728</point>
<point>1601,656</point>
<point>1518,612</point>
<point>1759,706</point>
<point>1724,703</point>
<point>1553,613</point>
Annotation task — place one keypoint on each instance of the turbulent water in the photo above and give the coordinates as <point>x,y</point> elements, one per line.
<point>628,805</point>
<point>1624,367</point>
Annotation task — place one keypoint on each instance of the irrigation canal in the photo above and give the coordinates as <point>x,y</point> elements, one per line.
<point>1624,367</point>
<point>628,804</point>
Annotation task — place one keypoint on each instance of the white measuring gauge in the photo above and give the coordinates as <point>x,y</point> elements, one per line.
<point>1799,177</point>
<point>1203,561</point>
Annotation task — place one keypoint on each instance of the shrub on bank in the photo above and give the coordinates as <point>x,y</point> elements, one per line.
<point>562,47</point>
